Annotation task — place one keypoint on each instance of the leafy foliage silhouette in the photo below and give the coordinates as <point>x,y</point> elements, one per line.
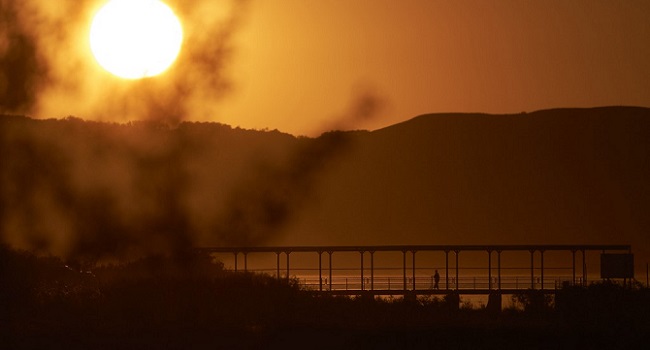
<point>192,301</point>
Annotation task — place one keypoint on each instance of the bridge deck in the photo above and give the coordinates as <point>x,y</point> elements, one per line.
<point>380,292</point>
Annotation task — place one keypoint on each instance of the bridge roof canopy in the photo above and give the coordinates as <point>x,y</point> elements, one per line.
<point>405,248</point>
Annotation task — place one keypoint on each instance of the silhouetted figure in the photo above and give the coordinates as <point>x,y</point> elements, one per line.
<point>436,280</point>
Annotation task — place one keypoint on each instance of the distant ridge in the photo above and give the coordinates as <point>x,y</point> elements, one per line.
<point>566,111</point>
<point>556,176</point>
<point>609,110</point>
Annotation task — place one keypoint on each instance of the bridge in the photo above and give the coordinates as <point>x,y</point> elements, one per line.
<point>409,283</point>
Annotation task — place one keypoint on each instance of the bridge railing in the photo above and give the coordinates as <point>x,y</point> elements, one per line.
<point>395,283</point>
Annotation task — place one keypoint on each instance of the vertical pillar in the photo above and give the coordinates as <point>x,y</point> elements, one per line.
<point>446,269</point>
<point>573,266</point>
<point>532,269</point>
<point>404,267</point>
<point>372,270</point>
<point>647,285</point>
<point>277,263</point>
<point>584,268</point>
<point>541,252</point>
<point>320,271</point>
<point>236,261</point>
<point>288,252</point>
<point>457,281</point>
<point>489,269</point>
<point>499,268</point>
<point>362,284</point>
<point>330,262</point>
<point>413,268</point>
<point>624,279</point>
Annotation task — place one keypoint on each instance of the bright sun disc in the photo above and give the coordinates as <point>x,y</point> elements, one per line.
<point>135,39</point>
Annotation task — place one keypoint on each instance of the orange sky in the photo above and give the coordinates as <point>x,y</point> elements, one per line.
<point>298,65</point>
<point>307,66</point>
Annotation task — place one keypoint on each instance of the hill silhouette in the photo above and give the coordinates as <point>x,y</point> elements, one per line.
<point>561,176</point>
<point>99,190</point>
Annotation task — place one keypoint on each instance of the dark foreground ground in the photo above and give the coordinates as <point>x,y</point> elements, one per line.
<point>190,302</point>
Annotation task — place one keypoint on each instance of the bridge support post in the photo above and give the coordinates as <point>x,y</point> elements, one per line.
<point>499,268</point>
<point>413,268</point>
<point>404,268</point>
<point>573,267</point>
<point>542,268</point>
<point>532,269</point>
<point>287,252</point>
<point>372,270</point>
<point>362,281</point>
<point>320,271</point>
<point>330,271</point>
<point>235,260</point>
<point>489,269</point>
<point>277,263</point>
<point>457,252</point>
<point>584,268</point>
<point>446,269</point>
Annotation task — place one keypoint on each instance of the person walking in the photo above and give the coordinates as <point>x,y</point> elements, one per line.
<point>436,280</point>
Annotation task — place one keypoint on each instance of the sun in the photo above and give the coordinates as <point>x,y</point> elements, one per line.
<point>135,39</point>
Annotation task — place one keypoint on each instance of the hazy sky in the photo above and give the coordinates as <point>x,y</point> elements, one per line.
<point>307,66</point>
<point>298,64</point>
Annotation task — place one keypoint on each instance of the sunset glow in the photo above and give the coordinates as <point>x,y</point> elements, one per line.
<point>324,174</point>
<point>135,38</point>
